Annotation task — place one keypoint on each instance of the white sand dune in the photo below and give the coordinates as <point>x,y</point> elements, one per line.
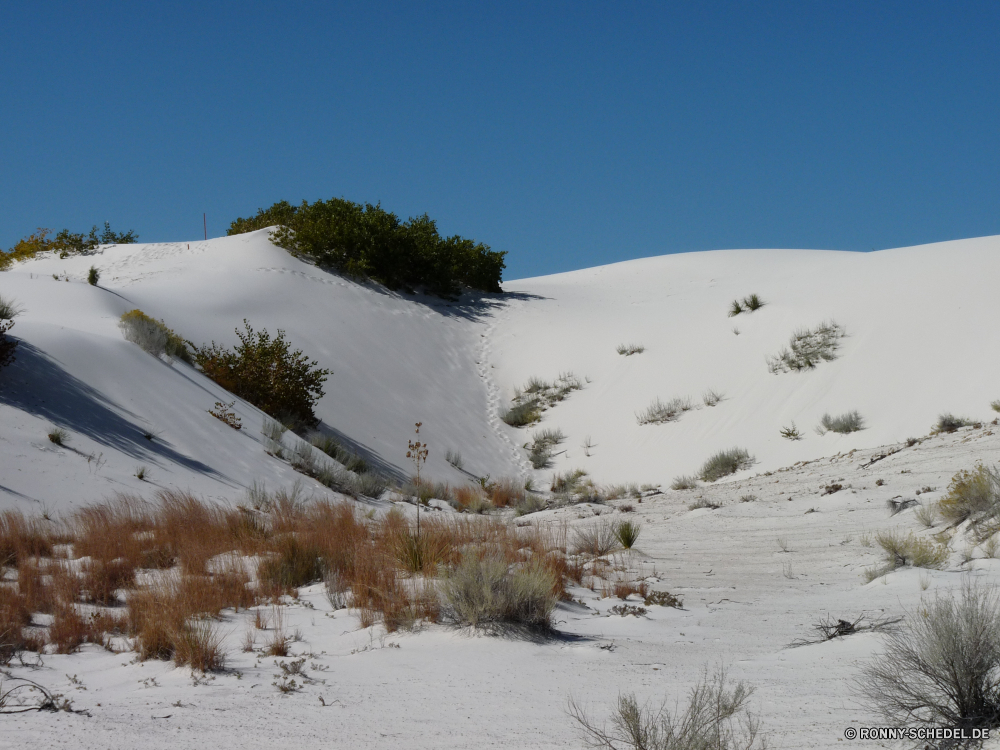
<point>919,324</point>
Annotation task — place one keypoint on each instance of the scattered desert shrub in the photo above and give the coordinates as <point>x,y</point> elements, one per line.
<point>199,645</point>
<point>949,423</point>
<point>485,590</point>
<point>14,617</point>
<point>505,492</point>
<point>93,276</point>
<point>540,448</point>
<point>684,482</point>
<point>367,240</point>
<point>995,405</point>
<point>725,463</point>
<point>807,348</point>
<point>715,717</point>
<point>659,412</point>
<point>522,415</point>
<point>597,539</point>
<point>750,303</point>
<point>295,564</point>
<point>152,336</point>
<point>943,666</point>
<point>926,515</point>
<point>265,372</point>
<point>64,243</point>
<point>58,436</point>
<point>972,495</point>
<point>662,599</point>
<point>842,424</point>
<point>910,550</point>
<point>712,397</point>
<point>454,458</point>
<point>704,502</point>
<point>530,504</point>
<point>628,350</point>
<point>627,533</point>
<point>21,538</point>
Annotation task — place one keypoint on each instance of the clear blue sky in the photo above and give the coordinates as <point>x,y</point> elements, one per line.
<point>568,134</point>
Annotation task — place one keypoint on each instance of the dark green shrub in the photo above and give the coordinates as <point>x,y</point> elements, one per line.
<point>93,276</point>
<point>368,241</point>
<point>265,372</point>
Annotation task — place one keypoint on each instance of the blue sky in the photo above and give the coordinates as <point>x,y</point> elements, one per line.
<point>568,134</point>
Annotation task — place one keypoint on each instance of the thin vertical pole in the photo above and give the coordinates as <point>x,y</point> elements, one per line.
<point>204,219</point>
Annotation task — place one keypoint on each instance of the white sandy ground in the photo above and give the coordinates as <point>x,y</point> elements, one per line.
<point>920,342</point>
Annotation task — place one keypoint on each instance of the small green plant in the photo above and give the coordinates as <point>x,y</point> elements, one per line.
<point>750,303</point>
<point>626,610</point>
<point>791,432</point>
<point>725,463</point>
<point>627,533</point>
<point>93,276</point>
<point>995,405</point>
<point>628,350</point>
<point>843,424</point>
<point>58,436</point>
<point>807,348</point>
<point>224,413</point>
<point>141,472</point>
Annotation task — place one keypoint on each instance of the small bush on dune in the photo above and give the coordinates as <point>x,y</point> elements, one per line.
<point>58,436</point>
<point>684,482</point>
<point>540,448</point>
<point>791,432</point>
<point>715,717</point>
<point>725,463</point>
<point>267,373</point>
<point>338,452</point>
<point>597,539</point>
<point>153,336</point>
<point>842,424</point>
<point>972,495</point>
<point>296,564</point>
<point>537,396</point>
<point>750,303</point>
<point>949,423</point>
<point>454,458</point>
<point>712,397</point>
<point>522,415</point>
<point>93,276</point>
<point>628,350</point>
<point>484,590</point>
<point>659,412</point>
<point>199,646</point>
<point>910,550</point>
<point>808,348</point>
<point>943,666</point>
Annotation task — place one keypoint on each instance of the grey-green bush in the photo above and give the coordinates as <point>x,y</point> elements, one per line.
<point>724,463</point>
<point>659,412</point>
<point>949,423</point>
<point>943,666</point>
<point>716,717</point>
<point>807,348</point>
<point>484,591</point>
<point>842,424</point>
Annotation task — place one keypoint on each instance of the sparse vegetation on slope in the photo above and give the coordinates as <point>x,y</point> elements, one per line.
<point>948,422</point>
<point>807,348</point>
<point>368,241</point>
<point>724,463</point>
<point>153,336</point>
<point>8,345</point>
<point>659,412</point>
<point>973,496</point>
<point>628,350</point>
<point>843,424</point>
<point>750,303</point>
<point>537,396</point>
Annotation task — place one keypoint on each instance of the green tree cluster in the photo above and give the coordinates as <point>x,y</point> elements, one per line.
<point>64,242</point>
<point>265,371</point>
<point>368,241</point>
